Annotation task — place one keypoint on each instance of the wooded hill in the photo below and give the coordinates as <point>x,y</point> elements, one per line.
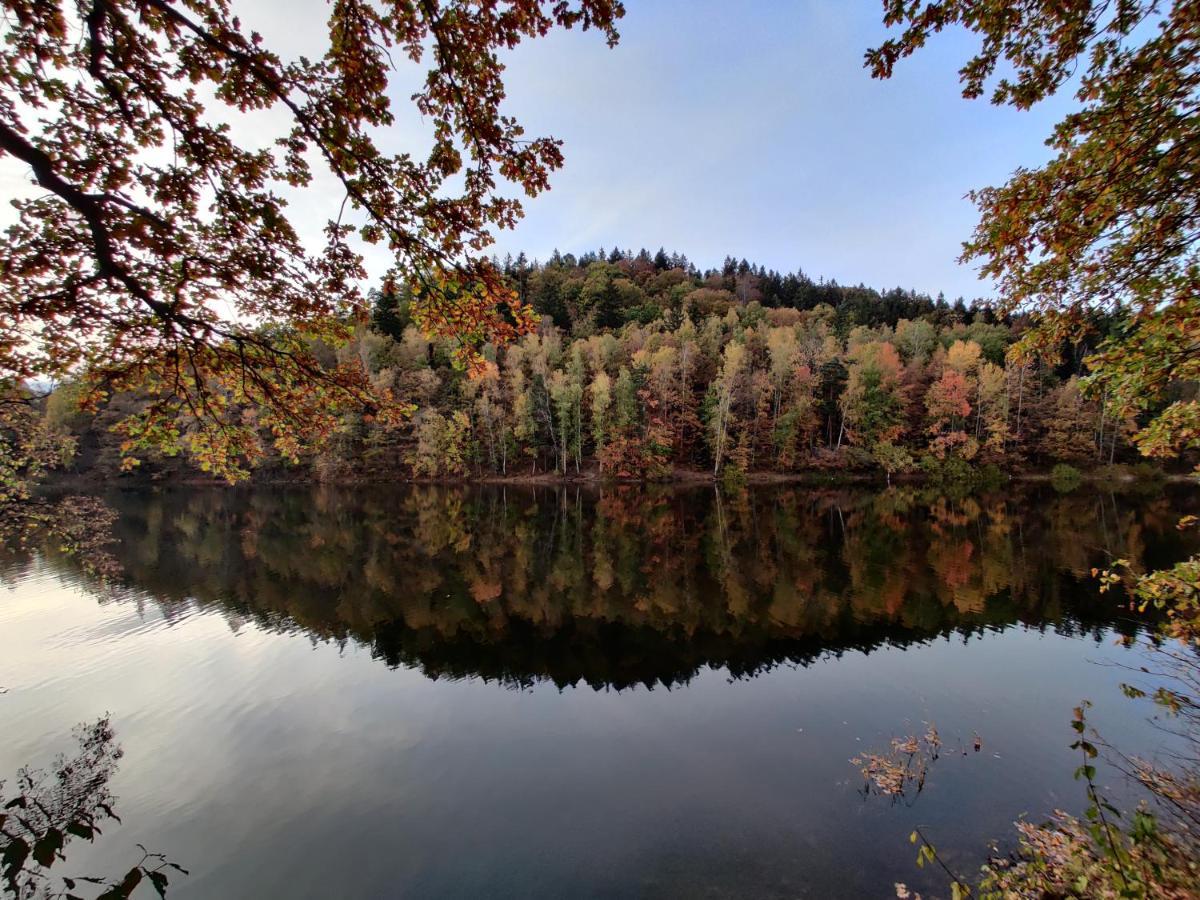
<point>642,365</point>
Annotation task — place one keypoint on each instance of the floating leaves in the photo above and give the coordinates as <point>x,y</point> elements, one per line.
<point>902,769</point>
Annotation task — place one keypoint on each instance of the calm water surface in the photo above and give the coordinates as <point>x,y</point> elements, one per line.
<point>524,692</point>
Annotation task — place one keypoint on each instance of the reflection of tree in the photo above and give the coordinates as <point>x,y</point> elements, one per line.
<point>49,809</point>
<point>628,585</point>
<point>73,524</point>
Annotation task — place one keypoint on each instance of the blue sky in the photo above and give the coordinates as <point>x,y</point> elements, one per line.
<point>752,129</point>
<point>719,128</point>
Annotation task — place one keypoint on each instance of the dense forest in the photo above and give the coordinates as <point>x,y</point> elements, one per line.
<point>641,366</point>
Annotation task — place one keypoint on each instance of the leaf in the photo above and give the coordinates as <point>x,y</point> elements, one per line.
<point>45,850</point>
<point>108,810</point>
<point>14,857</point>
<point>159,880</point>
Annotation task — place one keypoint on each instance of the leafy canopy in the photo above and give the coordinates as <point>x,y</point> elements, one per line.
<point>1112,221</point>
<point>162,254</point>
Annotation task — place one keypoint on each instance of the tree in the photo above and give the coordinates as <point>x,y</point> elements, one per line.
<point>566,392</point>
<point>915,340</point>
<point>1068,424</point>
<point>601,389</point>
<point>390,311</point>
<point>992,409</point>
<point>892,458</point>
<point>725,388</point>
<point>948,406</point>
<point>1110,222</point>
<point>442,444</point>
<point>160,254</point>
<point>873,402</point>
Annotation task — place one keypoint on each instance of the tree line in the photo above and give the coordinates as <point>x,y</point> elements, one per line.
<point>641,366</point>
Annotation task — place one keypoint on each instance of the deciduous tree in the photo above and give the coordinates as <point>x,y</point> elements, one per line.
<point>160,253</point>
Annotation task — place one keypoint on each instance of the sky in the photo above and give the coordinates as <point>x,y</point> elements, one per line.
<point>714,128</point>
<point>753,130</point>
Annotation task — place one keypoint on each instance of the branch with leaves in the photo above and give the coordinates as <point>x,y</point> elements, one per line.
<point>162,256</point>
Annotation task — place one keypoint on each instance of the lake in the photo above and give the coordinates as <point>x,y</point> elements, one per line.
<point>532,691</point>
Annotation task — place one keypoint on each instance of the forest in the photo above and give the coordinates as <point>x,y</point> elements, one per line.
<point>640,366</point>
<point>171,313</point>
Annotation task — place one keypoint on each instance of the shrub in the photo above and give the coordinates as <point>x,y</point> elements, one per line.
<point>1065,478</point>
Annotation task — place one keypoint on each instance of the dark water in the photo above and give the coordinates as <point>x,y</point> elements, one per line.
<point>565,692</point>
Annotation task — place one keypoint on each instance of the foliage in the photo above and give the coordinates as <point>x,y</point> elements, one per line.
<point>441,445</point>
<point>873,402</point>
<point>160,255</point>
<point>1065,478</point>
<point>31,445</point>
<point>765,389</point>
<point>903,767</point>
<point>1108,223</point>
<point>1101,244</point>
<point>892,459</point>
<point>49,809</point>
<point>1100,856</point>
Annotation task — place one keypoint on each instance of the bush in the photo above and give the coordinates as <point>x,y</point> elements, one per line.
<point>1065,478</point>
<point>1148,471</point>
<point>990,476</point>
<point>953,470</point>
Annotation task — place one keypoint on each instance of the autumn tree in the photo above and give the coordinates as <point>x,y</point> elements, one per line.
<point>601,394</point>
<point>1067,423</point>
<point>160,253</point>
<point>948,406</point>
<point>566,393</point>
<point>1109,222</point>
<point>724,393</point>
<point>873,402</point>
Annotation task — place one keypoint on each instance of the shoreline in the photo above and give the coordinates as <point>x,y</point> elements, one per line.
<point>677,478</point>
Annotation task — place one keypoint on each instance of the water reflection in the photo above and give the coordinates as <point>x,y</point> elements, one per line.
<point>47,810</point>
<point>618,587</point>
